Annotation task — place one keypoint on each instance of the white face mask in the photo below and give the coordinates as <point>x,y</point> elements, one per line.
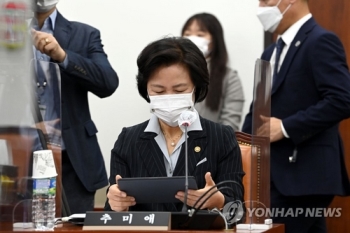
<point>168,108</point>
<point>270,17</point>
<point>43,6</point>
<point>201,42</point>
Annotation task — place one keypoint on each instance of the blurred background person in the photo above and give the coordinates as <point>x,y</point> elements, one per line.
<point>84,68</point>
<point>225,99</point>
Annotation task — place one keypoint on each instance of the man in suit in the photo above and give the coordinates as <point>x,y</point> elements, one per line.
<point>310,96</point>
<point>84,68</point>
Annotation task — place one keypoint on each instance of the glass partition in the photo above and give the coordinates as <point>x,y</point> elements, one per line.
<point>258,203</point>
<point>30,113</point>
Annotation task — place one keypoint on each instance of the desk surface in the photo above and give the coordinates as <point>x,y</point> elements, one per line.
<point>70,228</point>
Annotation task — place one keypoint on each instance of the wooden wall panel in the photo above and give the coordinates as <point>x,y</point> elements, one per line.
<point>335,16</point>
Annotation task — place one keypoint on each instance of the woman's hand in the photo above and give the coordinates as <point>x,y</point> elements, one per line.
<point>118,200</point>
<point>215,201</point>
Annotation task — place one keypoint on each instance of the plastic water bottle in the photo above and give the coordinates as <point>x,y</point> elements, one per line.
<point>43,203</point>
<point>44,190</point>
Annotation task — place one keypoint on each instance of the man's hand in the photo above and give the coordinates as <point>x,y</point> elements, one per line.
<point>276,133</point>
<point>217,200</point>
<point>118,200</point>
<point>47,44</point>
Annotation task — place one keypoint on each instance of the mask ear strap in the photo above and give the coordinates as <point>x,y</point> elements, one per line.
<point>194,97</point>
<point>286,9</point>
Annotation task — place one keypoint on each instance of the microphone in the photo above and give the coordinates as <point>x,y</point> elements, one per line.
<point>185,120</point>
<point>237,204</point>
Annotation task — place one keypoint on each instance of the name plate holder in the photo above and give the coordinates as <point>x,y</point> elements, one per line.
<point>110,220</point>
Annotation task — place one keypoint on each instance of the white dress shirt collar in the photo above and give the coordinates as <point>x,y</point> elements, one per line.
<point>50,21</point>
<point>289,35</point>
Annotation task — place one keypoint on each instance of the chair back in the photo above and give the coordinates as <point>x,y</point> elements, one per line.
<point>256,182</point>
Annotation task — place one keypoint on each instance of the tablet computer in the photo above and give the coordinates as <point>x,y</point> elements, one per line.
<point>155,189</point>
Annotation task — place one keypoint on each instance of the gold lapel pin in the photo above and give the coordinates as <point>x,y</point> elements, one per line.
<point>197,149</point>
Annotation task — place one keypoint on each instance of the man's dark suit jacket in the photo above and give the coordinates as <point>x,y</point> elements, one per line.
<point>137,154</point>
<point>88,70</point>
<point>311,96</point>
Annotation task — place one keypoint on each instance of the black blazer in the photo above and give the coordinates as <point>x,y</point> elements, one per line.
<point>311,96</point>
<point>137,154</point>
<point>88,70</point>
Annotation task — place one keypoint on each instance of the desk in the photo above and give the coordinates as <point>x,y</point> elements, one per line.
<point>70,228</point>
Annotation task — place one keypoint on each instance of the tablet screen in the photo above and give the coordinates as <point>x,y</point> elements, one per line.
<point>155,189</point>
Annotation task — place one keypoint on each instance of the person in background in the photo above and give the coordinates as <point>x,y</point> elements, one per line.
<point>84,68</point>
<point>225,99</point>
<point>310,96</point>
<point>172,76</point>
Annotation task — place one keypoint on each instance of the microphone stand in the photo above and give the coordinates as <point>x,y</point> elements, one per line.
<point>184,208</point>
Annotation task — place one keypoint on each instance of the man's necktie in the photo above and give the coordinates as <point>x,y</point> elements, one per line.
<point>279,47</point>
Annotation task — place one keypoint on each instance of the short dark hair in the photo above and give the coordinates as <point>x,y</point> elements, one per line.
<point>218,55</point>
<point>169,51</point>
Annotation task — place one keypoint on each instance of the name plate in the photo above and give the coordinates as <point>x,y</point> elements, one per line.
<point>110,220</point>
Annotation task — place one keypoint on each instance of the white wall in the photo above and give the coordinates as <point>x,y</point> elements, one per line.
<point>127,26</point>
